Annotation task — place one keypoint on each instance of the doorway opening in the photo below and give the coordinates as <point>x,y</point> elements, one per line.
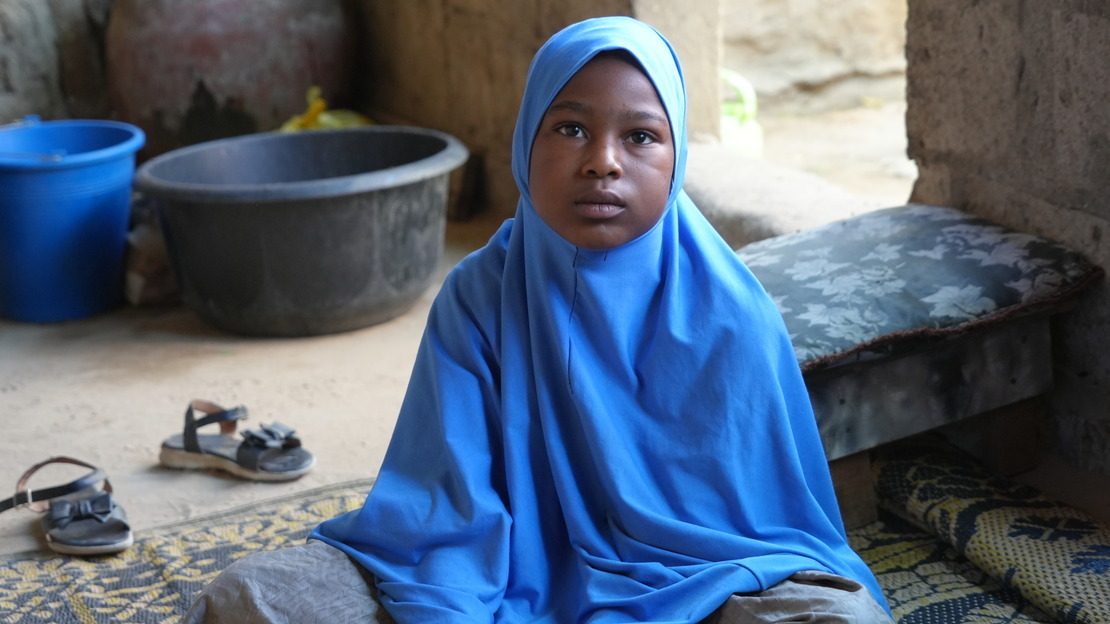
<point>828,83</point>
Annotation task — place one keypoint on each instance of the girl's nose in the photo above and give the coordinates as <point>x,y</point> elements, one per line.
<point>603,160</point>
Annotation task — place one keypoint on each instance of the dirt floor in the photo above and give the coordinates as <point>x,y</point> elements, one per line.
<point>109,389</point>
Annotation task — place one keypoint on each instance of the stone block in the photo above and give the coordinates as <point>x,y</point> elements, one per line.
<point>749,199</point>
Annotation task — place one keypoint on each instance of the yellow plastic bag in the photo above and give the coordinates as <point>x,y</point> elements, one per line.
<point>318,116</point>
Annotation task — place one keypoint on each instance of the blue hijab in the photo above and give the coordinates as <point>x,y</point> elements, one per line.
<point>598,436</point>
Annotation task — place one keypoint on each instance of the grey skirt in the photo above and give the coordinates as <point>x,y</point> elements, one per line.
<point>315,582</point>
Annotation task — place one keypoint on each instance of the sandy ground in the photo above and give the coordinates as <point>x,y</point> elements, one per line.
<point>862,150</point>
<point>109,389</point>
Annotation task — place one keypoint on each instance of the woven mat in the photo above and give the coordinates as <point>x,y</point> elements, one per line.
<point>1055,556</point>
<point>926,580</point>
<point>155,580</point>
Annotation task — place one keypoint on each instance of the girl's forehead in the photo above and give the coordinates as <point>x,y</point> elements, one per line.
<point>613,61</point>
<point>609,66</point>
<point>611,76</point>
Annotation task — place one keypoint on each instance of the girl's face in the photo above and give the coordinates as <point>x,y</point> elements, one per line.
<point>603,157</point>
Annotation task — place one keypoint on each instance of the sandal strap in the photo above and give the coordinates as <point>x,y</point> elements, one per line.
<point>213,414</point>
<point>257,441</point>
<point>36,499</point>
<point>99,507</point>
<point>274,435</point>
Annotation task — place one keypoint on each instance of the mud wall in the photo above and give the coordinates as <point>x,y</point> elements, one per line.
<point>51,58</point>
<point>460,66</point>
<point>1007,118</point>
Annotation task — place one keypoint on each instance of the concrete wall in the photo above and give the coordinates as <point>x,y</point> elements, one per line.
<point>50,59</point>
<point>460,66</point>
<point>28,61</point>
<point>805,55</point>
<point>694,28</point>
<point>1007,118</point>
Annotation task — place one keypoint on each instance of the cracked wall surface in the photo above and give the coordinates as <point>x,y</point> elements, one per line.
<point>1007,118</point>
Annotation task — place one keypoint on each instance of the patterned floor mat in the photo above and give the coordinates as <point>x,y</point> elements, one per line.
<point>1057,557</point>
<point>927,581</point>
<point>154,581</point>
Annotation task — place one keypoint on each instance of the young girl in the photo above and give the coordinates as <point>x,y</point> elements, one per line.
<point>606,421</point>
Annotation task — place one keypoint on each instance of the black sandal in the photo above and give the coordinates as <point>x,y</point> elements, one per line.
<point>81,519</point>
<point>270,453</point>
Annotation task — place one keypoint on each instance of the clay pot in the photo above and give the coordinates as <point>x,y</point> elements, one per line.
<point>187,71</point>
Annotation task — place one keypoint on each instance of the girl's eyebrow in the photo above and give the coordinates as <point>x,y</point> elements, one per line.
<point>629,113</point>
<point>568,105</point>
<point>647,115</point>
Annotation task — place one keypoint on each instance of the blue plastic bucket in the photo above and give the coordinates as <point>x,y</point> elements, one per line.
<point>65,200</point>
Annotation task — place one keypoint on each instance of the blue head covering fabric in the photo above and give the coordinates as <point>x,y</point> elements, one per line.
<point>598,436</point>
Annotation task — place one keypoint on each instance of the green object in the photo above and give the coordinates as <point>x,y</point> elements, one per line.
<point>739,128</point>
<point>745,106</point>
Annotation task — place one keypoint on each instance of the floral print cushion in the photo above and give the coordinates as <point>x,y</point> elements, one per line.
<point>885,281</point>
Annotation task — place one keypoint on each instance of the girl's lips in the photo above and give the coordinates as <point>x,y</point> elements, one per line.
<point>598,211</point>
<point>600,204</point>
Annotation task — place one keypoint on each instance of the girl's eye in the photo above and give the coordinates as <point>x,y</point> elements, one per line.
<point>570,130</point>
<point>640,137</point>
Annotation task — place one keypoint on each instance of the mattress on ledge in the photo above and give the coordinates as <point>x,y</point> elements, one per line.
<point>908,318</point>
